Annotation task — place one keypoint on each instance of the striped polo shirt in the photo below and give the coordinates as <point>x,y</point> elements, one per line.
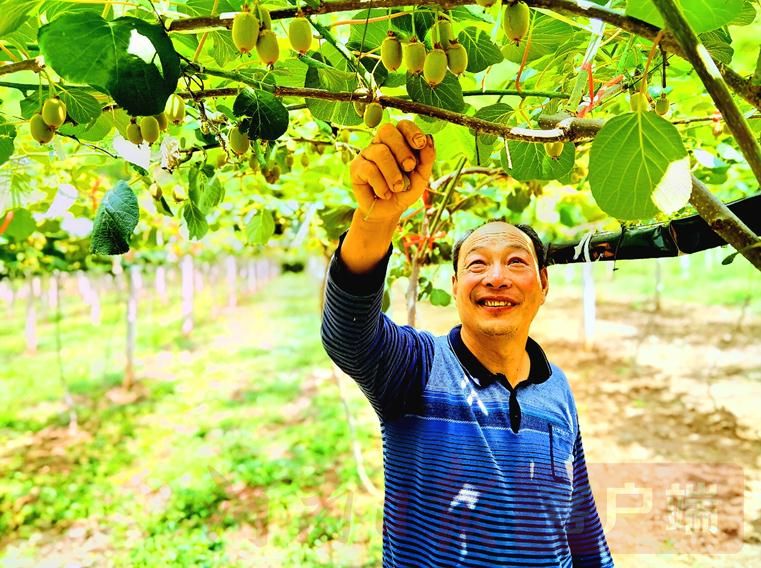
<point>477,473</point>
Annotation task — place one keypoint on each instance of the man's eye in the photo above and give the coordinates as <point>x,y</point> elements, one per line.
<point>476,263</point>
<point>516,260</point>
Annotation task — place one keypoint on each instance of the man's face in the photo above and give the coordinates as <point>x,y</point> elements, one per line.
<point>498,288</point>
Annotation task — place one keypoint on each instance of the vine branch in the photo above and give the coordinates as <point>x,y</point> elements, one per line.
<point>35,64</point>
<point>743,87</point>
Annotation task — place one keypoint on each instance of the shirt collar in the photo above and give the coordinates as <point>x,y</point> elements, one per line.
<point>539,372</point>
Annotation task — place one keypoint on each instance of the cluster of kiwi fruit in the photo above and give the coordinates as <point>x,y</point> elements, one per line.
<point>253,30</point>
<point>43,124</point>
<point>149,128</point>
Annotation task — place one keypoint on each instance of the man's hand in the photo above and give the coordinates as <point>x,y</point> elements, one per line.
<point>393,171</point>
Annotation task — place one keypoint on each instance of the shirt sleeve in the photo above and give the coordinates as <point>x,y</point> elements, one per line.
<point>586,538</point>
<point>390,363</point>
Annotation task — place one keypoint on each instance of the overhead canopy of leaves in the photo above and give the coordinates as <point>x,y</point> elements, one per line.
<point>267,117</point>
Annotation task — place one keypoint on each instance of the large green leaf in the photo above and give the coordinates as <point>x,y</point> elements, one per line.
<point>499,113</point>
<point>91,132</point>
<point>267,117</point>
<point>338,79</point>
<point>446,95</point>
<point>702,15</point>
<point>132,60</point>
<point>369,36</point>
<point>195,219</point>
<point>21,226</point>
<point>547,35</point>
<point>482,51</point>
<point>116,218</point>
<point>260,228</point>
<point>7,135</point>
<point>81,106</point>
<point>530,161</point>
<point>638,166</point>
<point>717,45</point>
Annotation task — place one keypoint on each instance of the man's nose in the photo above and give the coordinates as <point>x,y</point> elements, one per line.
<point>497,276</point>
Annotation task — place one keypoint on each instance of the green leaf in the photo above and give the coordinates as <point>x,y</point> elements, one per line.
<point>14,13</point>
<point>260,229</point>
<point>290,73</point>
<point>90,132</point>
<point>746,16</point>
<point>223,49</point>
<point>531,162</point>
<point>7,136</point>
<point>482,51</point>
<point>212,195</point>
<point>440,297</point>
<point>446,95</point>
<point>547,35</point>
<point>638,165</point>
<point>195,219</point>
<point>335,113</point>
<point>755,80</point>
<point>717,45</point>
<point>81,106</point>
<point>499,113</point>
<point>370,36</point>
<point>420,20</point>
<point>132,60</point>
<point>115,220</point>
<point>702,15</point>
<point>268,116</point>
<point>21,226</point>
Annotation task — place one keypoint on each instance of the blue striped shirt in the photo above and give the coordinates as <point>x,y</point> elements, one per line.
<point>477,473</point>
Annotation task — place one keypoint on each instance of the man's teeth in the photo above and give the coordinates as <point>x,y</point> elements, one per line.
<point>497,304</point>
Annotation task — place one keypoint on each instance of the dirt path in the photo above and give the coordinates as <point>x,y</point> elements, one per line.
<point>664,398</point>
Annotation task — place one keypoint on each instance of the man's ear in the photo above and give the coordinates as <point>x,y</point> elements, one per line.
<point>454,285</point>
<point>544,280</point>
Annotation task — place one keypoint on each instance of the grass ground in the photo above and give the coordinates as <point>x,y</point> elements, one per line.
<point>234,449</point>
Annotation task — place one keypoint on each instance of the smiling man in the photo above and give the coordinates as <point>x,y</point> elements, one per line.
<point>483,459</point>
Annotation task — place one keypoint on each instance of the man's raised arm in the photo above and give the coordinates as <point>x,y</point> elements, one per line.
<point>390,363</point>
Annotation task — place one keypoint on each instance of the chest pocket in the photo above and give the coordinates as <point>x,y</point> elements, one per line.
<point>561,454</point>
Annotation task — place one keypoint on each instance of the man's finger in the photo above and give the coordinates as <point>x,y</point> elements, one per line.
<point>415,137</point>
<point>381,156</point>
<point>366,173</point>
<point>426,158</point>
<point>389,135</point>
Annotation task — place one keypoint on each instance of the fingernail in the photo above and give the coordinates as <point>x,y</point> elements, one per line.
<point>409,164</point>
<point>399,186</point>
<point>419,140</point>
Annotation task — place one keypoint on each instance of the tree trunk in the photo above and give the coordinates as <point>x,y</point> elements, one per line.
<point>160,284</point>
<point>589,305</point>
<point>132,296</point>
<point>684,264</point>
<point>55,282</point>
<point>30,332</point>
<point>411,295</point>
<point>53,289</point>
<point>188,292</point>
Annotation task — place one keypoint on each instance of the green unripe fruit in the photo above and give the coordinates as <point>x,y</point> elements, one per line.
<point>40,130</point>
<point>155,190</point>
<point>175,109</point>
<point>265,21</point>
<point>414,56</point>
<point>179,193</point>
<point>639,102</point>
<point>133,134</point>
<point>300,34</point>
<point>486,3</point>
<point>457,58</point>
<point>373,114</point>
<point>54,112</point>
<point>359,107</point>
<point>435,67</point>
<point>391,53</point>
<point>662,105</point>
<point>245,31</point>
<point>162,120</point>
<point>443,33</point>
<point>516,21</point>
<point>271,174</point>
<point>554,149</point>
<point>239,142</point>
<point>149,129</point>
<point>267,47</point>
<point>305,160</point>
